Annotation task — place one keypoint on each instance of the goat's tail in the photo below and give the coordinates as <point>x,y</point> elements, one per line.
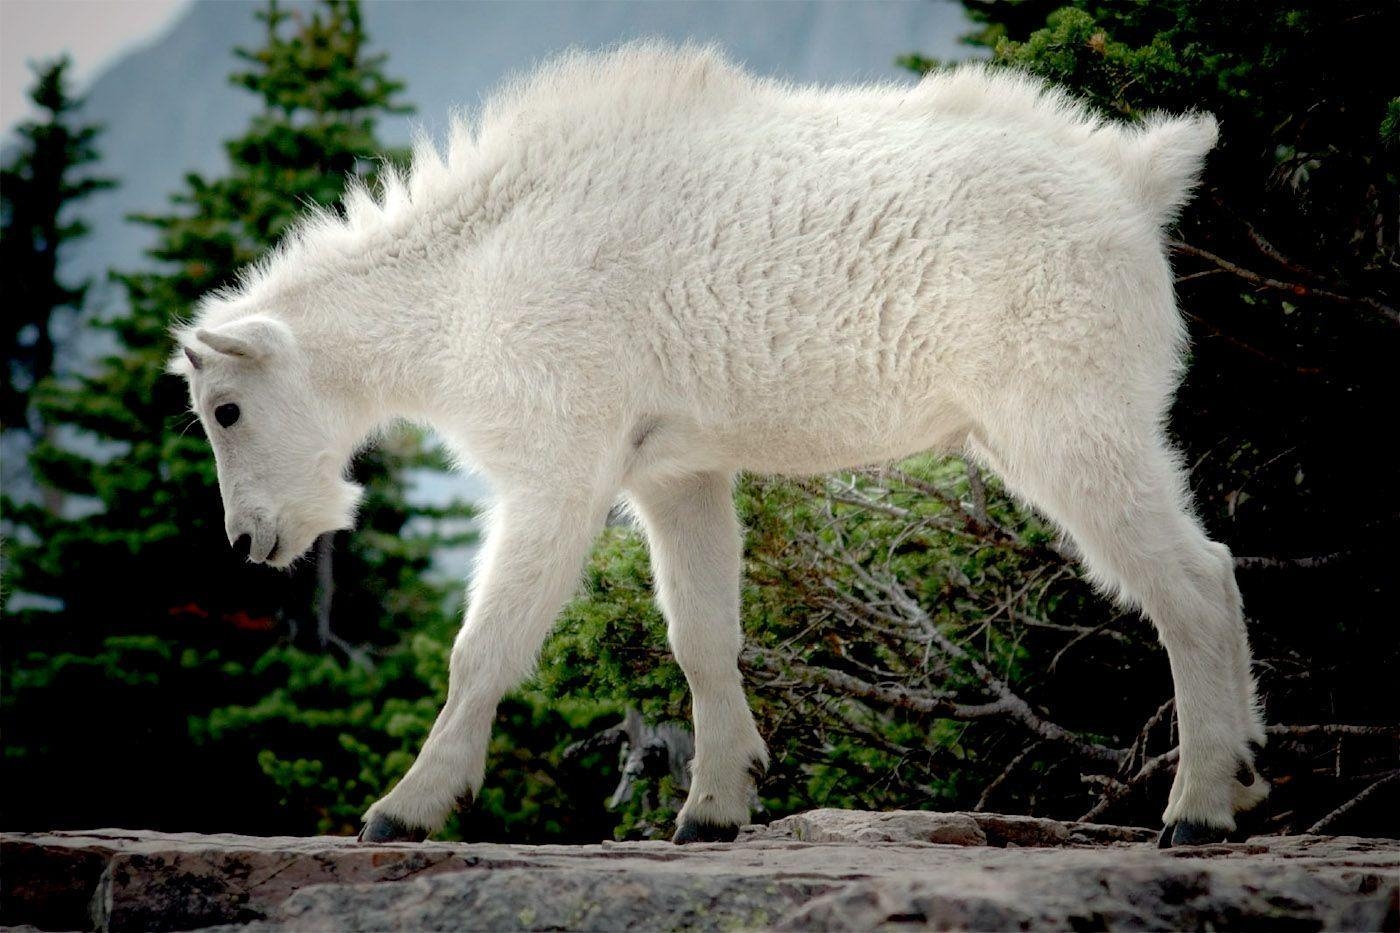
<point>1161,163</point>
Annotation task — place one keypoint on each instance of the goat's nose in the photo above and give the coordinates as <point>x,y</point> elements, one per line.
<point>243,545</point>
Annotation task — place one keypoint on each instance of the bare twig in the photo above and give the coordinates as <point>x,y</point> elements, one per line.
<point>1268,249</point>
<point>1297,289</point>
<point>1334,729</point>
<point>1249,348</point>
<point>1120,789</point>
<point>1032,622</point>
<point>975,518</point>
<point>1331,819</point>
<point>978,488</point>
<point>892,695</point>
<point>1139,746</point>
<point>981,525</point>
<point>1009,703</point>
<point>1102,626</point>
<point>1017,707</point>
<point>1011,766</point>
<point>1203,274</point>
<point>1291,563</point>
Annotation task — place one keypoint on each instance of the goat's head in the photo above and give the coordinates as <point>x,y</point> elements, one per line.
<point>280,443</point>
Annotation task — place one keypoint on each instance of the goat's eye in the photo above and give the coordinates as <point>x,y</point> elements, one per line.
<point>226,415</point>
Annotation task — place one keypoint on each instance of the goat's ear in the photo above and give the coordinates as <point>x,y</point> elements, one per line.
<point>251,338</point>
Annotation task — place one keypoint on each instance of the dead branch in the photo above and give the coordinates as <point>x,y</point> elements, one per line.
<point>906,610</point>
<point>1297,289</point>
<point>895,696</point>
<point>1054,662</point>
<point>1033,622</point>
<point>975,519</point>
<point>1119,790</point>
<point>1291,563</point>
<point>1331,819</point>
<point>1333,729</point>
<point>979,525</point>
<point>1244,346</point>
<point>1273,252</point>
<point>1203,274</point>
<point>1006,772</point>
<point>1139,746</point>
<point>978,489</point>
<point>1017,707</point>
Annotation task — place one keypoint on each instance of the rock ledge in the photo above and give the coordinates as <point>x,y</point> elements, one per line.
<point>823,870</point>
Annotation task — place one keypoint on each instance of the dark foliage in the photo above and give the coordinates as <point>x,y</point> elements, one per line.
<point>139,630</point>
<point>43,179</point>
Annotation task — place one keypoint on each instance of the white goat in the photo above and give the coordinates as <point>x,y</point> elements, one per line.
<point>644,271</point>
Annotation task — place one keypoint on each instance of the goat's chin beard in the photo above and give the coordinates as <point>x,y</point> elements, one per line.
<point>296,542</point>
<point>288,553</point>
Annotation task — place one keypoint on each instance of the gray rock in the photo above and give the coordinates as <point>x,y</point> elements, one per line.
<point>1097,890</point>
<point>958,829</point>
<point>115,879</point>
<point>591,898</point>
<point>49,885</point>
<point>825,870</point>
<point>856,826</point>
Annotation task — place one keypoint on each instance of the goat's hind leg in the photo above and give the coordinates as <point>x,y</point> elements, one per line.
<point>696,549</point>
<point>1119,493</point>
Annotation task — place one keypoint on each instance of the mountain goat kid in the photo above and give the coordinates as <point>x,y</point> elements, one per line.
<point>640,272</point>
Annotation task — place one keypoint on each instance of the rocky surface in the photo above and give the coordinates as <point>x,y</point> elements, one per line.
<point>824,870</point>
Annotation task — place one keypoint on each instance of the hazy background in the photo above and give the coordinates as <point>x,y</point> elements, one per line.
<point>91,32</point>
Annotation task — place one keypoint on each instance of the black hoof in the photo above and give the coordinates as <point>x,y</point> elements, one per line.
<point>1186,833</point>
<point>381,828</point>
<point>705,832</point>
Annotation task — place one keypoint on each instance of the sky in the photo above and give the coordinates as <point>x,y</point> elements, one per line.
<point>93,32</point>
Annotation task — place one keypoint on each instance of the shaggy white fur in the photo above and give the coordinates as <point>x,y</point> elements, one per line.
<point>644,271</point>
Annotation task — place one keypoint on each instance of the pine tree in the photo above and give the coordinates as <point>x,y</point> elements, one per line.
<point>160,622</point>
<point>37,187</point>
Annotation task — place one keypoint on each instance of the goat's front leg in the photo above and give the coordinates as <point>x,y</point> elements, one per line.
<point>529,566</point>
<point>696,550</point>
